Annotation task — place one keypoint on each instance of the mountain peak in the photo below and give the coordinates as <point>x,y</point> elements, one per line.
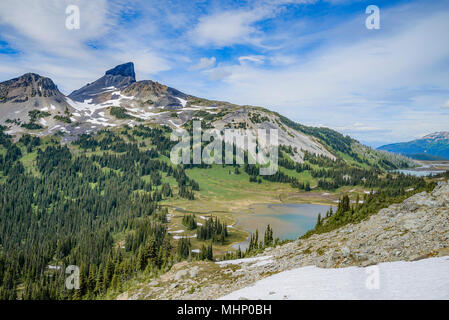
<point>438,135</point>
<point>32,75</point>
<point>28,77</point>
<point>27,86</point>
<point>125,70</point>
<point>118,78</point>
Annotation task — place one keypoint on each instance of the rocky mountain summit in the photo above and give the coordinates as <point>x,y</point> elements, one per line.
<point>114,79</point>
<point>119,85</point>
<point>26,93</point>
<point>27,86</point>
<point>415,229</point>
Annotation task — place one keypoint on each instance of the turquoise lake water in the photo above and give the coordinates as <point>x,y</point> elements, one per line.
<point>288,221</point>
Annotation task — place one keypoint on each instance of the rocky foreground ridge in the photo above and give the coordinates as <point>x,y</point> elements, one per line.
<point>415,229</point>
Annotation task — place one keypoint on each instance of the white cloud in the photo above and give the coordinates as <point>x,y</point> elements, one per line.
<point>218,74</point>
<point>446,105</point>
<point>238,26</point>
<point>259,59</point>
<point>379,80</point>
<point>204,63</point>
<point>36,29</point>
<point>225,28</point>
<point>146,61</point>
<point>358,127</point>
<point>280,60</point>
<point>42,23</point>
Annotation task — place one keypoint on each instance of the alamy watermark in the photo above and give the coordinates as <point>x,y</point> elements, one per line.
<point>373,20</point>
<point>72,21</point>
<point>373,280</point>
<point>73,280</point>
<point>261,149</point>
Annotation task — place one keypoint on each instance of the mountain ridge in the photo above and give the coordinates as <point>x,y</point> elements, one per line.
<point>433,146</point>
<point>116,99</point>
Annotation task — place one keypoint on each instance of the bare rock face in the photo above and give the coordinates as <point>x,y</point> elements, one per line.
<point>27,86</point>
<point>124,70</point>
<point>114,79</point>
<point>29,92</point>
<point>255,118</point>
<point>151,90</point>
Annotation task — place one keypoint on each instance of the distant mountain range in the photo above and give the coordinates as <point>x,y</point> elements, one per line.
<point>434,146</point>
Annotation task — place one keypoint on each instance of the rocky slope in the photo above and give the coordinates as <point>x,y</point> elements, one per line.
<point>156,94</point>
<point>100,90</point>
<point>416,229</point>
<point>29,92</point>
<point>252,119</point>
<point>117,99</point>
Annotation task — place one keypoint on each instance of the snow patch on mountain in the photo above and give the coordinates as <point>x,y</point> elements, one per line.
<point>183,102</point>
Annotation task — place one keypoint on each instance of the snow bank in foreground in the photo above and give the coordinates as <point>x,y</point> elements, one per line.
<point>423,279</point>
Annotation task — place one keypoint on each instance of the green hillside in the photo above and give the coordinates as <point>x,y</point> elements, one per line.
<point>107,203</point>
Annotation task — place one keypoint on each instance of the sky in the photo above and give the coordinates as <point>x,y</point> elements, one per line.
<point>314,61</point>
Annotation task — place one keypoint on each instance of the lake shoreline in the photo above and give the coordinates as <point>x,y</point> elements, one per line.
<point>289,221</point>
<point>247,211</point>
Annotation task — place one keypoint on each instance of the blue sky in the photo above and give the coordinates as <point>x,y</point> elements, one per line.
<point>313,61</point>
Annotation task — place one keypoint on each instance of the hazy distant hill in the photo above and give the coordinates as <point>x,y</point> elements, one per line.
<point>434,146</point>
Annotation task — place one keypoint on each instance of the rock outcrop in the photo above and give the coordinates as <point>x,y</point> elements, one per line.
<point>100,90</point>
<point>30,92</point>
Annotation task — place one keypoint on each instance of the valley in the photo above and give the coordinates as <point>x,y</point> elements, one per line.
<point>87,180</point>
<point>234,151</point>
<point>408,242</point>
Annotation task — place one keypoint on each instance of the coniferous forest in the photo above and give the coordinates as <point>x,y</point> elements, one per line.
<point>95,203</point>
<point>68,211</point>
